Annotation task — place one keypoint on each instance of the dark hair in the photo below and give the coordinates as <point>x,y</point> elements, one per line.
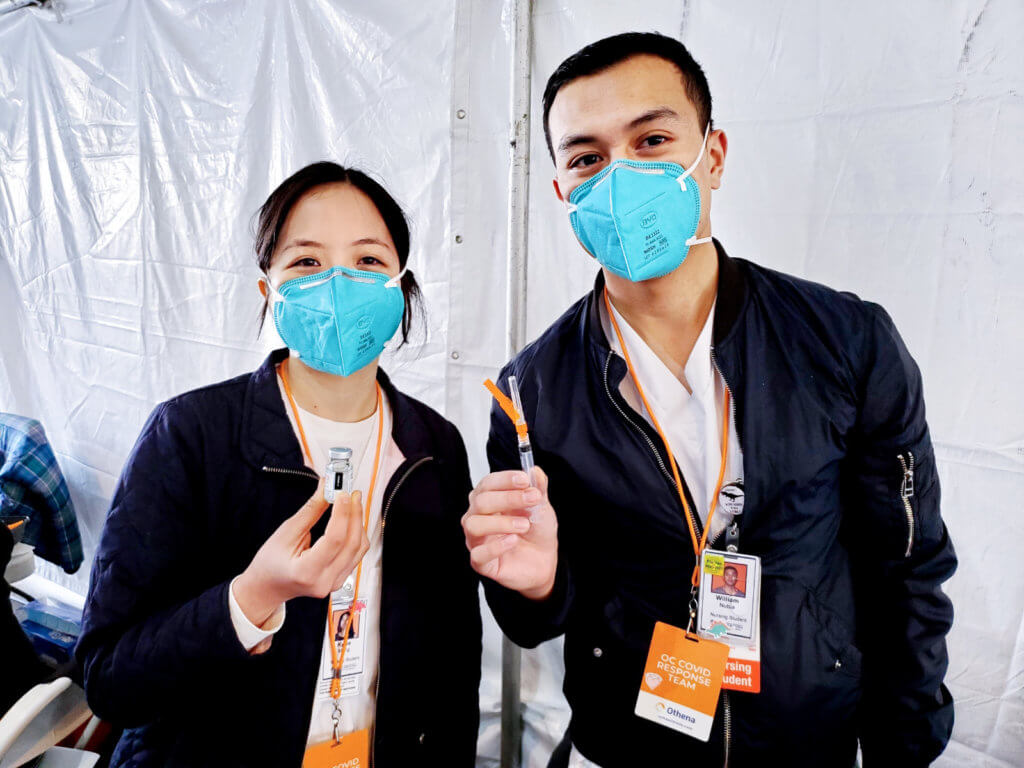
<point>273,213</point>
<point>610,51</point>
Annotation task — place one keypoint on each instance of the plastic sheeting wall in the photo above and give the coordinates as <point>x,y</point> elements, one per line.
<point>873,148</point>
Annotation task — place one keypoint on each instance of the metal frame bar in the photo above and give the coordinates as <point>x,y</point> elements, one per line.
<point>515,324</point>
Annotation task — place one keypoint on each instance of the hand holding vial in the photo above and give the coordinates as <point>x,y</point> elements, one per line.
<point>288,565</point>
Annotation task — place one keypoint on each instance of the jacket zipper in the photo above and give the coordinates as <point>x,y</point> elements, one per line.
<point>726,725</point>
<point>300,473</point>
<point>732,399</point>
<point>650,443</point>
<point>906,493</point>
<point>380,643</point>
<point>726,705</point>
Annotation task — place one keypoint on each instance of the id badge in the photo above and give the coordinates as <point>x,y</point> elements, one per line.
<point>730,611</point>
<point>352,670</point>
<point>682,680</point>
<point>353,751</point>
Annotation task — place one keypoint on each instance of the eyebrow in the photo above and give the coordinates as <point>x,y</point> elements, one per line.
<point>575,139</point>
<point>315,244</point>
<point>371,241</point>
<point>654,114</point>
<point>302,244</point>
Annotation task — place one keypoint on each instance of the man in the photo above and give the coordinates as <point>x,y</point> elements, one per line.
<point>685,373</point>
<point>728,587</point>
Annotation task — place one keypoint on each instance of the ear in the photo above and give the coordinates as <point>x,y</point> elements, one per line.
<point>718,146</point>
<point>558,191</point>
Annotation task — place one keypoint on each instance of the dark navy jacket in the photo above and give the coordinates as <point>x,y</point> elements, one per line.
<point>827,399</point>
<point>200,494</point>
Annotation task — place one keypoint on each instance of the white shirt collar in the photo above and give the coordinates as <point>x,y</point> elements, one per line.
<point>661,386</point>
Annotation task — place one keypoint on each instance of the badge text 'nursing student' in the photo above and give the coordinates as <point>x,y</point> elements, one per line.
<point>681,682</point>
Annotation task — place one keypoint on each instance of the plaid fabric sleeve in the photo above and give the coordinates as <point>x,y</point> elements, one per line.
<point>32,484</point>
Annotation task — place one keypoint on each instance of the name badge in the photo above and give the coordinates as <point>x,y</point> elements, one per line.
<point>682,680</point>
<point>353,751</point>
<point>730,611</point>
<point>352,670</point>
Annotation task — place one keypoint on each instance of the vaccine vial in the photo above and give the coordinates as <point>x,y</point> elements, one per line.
<point>338,476</point>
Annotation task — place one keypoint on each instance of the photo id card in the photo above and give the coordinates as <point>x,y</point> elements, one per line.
<point>352,669</point>
<point>730,591</point>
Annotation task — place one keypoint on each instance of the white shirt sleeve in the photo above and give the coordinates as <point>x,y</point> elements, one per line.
<point>249,635</point>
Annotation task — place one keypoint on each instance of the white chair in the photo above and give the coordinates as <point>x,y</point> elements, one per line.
<point>46,715</point>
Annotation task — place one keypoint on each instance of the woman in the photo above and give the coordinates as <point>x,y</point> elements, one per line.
<point>208,631</point>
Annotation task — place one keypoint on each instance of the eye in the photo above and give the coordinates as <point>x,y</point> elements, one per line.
<point>304,261</point>
<point>370,261</point>
<point>653,141</point>
<point>585,160</point>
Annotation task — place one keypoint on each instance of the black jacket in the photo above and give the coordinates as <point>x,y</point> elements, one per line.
<point>199,495</point>
<point>853,618</point>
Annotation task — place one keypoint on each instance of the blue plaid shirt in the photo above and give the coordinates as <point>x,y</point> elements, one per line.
<point>31,484</point>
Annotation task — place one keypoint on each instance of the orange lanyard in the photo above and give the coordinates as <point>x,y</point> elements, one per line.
<point>338,659</point>
<point>698,547</point>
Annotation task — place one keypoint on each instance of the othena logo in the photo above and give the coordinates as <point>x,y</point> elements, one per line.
<point>649,220</point>
<point>680,715</point>
<point>660,707</point>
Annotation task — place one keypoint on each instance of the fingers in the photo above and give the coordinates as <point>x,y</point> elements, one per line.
<point>476,526</point>
<point>502,481</point>
<point>484,558</point>
<point>346,518</point>
<point>308,513</point>
<point>343,540</point>
<point>504,502</point>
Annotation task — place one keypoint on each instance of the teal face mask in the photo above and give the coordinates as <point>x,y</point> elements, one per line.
<point>339,320</point>
<point>638,218</point>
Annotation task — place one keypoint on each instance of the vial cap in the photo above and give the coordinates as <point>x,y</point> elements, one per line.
<point>341,453</point>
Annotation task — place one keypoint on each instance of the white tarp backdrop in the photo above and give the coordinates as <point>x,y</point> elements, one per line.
<point>874,147</point>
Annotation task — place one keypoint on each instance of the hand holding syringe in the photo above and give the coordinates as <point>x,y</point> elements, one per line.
<point>511,528</point>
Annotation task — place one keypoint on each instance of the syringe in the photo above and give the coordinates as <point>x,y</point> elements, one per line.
<point>525,450</point>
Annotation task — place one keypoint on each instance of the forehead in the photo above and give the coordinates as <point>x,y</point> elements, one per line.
<point>334,211</point>
<point>612,97</point>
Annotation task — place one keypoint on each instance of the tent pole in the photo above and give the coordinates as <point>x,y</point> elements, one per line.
<point>515,324</point>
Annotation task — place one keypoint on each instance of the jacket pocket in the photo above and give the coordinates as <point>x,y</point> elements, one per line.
<point>844,657</point>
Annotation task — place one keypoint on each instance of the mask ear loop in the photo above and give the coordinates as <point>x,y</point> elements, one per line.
<point>688,171</point>
<point>686,174</point>
<point>275,295</point>
<point>395,282</point>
